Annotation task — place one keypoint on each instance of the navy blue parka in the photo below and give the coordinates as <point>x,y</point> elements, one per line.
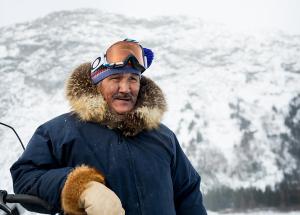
<point>140,159</point>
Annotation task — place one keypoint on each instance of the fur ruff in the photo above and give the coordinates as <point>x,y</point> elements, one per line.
<point>89,105</point>
<point>74,187</point>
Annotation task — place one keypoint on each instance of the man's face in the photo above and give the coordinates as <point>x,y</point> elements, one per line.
<point>120,91</point>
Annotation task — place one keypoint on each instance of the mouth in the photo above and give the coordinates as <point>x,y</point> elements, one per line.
<point>123,99</point>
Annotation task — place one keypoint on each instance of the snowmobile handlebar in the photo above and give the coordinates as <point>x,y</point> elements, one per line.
<point>31,203</point>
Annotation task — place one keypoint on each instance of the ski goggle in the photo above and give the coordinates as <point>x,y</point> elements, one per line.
<point>121,54</point>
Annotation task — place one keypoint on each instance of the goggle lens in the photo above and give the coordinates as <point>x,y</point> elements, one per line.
<point>122,50</point>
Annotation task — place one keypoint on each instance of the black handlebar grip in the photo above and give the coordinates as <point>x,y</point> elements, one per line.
<point>31,203</point>
<point>3,206</point>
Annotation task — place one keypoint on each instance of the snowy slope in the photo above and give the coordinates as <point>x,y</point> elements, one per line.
<point>228,92</point>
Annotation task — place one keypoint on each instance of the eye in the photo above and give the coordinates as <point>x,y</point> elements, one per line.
<point>134,78</point>
<point>114,77</point>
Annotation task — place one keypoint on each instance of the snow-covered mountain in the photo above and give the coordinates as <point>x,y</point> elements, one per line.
<point>233,97</point>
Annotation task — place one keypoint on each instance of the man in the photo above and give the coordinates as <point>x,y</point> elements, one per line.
<point>110,155</point>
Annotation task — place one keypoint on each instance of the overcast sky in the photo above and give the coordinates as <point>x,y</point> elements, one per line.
<point>278,14</point>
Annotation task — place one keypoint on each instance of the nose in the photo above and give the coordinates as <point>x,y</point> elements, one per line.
<point>124,86</point>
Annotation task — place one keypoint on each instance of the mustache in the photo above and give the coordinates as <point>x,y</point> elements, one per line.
<point>127,96</point>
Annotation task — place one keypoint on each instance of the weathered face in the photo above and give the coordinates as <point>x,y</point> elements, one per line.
<point>120,91</point>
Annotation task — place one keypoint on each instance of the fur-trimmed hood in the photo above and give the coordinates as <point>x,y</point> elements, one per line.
<point>89,105</point>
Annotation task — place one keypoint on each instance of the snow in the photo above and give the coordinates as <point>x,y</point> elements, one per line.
<point>3,52</point>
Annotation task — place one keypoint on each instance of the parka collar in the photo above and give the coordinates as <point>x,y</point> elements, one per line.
<point>89,105</point>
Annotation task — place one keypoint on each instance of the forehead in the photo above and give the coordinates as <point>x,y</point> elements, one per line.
<point>124,74</point>
<point>119,76</point>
